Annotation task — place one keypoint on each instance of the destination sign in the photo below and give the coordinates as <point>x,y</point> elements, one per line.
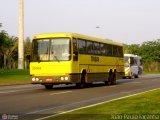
<point>94,58</point>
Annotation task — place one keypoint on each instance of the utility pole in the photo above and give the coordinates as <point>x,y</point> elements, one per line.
<point>20,35</point>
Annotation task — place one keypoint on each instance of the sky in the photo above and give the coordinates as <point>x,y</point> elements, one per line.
<point>125,21</point>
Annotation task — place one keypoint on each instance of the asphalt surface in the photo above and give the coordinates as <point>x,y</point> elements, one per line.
<point>34,101</point>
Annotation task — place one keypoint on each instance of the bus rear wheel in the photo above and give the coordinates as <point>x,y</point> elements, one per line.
<point>113,81</point>
<point>48,86</point>
<point>108,82</point>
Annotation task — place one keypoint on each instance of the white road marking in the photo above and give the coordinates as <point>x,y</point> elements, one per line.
<point>136,82</point>
<point>60,93</point>
<point>155,80</point>
<point>125,92</point>
<point>12,91</point>
<point>131,83</point>
<point>19,86</point>
<point>109,86</point>
<point>95,104</point>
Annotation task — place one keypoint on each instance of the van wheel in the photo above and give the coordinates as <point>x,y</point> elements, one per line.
<point>136,76</point>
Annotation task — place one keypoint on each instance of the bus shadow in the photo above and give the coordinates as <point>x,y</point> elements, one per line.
<point>88,86</point>
<point>74,87</point>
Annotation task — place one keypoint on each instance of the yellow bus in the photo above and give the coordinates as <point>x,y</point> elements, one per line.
<point>71,58</point>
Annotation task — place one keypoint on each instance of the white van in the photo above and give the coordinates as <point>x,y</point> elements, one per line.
<point>133,65</point>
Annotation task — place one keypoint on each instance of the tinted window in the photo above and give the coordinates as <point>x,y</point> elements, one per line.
<point>75,46</point>
<point>109,50</point>
<point>82,46</point>
<point>103,49</point>
<point>96,48</point>
<point>90,47</point>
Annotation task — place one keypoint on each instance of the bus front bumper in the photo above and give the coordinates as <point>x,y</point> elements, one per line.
<point>66,79</point>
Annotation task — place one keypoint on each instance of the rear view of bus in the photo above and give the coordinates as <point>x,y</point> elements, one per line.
<point>133,65</point>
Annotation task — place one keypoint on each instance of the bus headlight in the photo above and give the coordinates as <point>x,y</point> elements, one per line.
<point>33,79</point>
<point>37,79</point>
<point>66,78</point>
<point>62,78</point>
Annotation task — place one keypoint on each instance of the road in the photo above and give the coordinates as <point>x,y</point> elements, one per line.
<point>34,101</point>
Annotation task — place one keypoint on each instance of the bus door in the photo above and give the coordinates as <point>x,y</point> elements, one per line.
<point>75,50</point>
<point>133,66</point>
<point>75,63</point>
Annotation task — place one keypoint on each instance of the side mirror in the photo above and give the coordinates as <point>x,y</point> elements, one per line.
<point>28,57</point>
<point>75,56</point>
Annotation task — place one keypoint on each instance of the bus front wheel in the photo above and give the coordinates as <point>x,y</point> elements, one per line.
<point>48,86</point>
<point>82,84</point>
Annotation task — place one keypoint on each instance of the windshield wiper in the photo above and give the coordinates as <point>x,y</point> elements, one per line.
<point>56,58</point>
<point>42,58</point>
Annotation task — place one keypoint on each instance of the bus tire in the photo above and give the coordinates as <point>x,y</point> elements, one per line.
<point>48,86</point>
<point>109,80</point>
<point>82,84</point>
<point>113,81</point>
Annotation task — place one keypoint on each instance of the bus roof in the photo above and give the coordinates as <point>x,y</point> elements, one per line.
<point>68,34</point>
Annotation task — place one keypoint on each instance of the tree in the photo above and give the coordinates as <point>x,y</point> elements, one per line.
<point>150,50</point>
<point>8,49</point>
<point>12,53</point>
<point>3,45</point>
<point>132,49</point>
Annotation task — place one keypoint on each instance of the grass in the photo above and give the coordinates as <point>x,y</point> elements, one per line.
<point>139,105</point>
<point>16,76</point>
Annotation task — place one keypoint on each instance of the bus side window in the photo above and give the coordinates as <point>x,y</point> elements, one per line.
<point>75,50</point>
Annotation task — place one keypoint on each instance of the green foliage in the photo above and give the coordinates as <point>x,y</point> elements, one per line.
<point>150,50</point>
<point>9,50</point>
<point>150,53</point>
<point>3,40</point>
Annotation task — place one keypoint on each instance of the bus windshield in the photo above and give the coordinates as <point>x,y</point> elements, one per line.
<point>57,49</point>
